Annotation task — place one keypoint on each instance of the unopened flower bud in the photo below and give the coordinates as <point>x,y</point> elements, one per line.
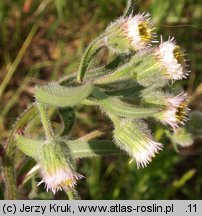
<point>182,137</point>
<point>134,138</point>
<point>56,167</point>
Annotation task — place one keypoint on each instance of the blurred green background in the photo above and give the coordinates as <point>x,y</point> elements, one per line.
<point>44,40</point>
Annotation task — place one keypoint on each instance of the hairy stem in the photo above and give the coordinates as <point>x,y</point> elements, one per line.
<point>45,122</point>
<point>9,173</point>
<point>8,158</point>
<point>88,56</point>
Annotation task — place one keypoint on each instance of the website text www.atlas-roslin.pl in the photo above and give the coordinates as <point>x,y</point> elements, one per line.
<point>126,208</point>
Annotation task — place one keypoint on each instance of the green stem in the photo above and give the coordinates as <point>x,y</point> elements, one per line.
<point>88,56</point>
<point>8,158</point>
<point>95,72</point>
<point>70,195</point>
<point>121,73</point>
<point>89,102</point>
<point>45,122</point>
<point>114,119</point>
<point>9,174</point>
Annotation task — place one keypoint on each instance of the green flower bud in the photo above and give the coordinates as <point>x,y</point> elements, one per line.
<point>182,137</point>
<point>134,138</point>
<point>56,167</point>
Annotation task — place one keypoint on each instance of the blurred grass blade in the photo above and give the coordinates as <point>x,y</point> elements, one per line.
<point>60,96</point>
<point>15,64</point>
<point>160,9</point>
<point>60,6</point>
<point>9,105</point>
<point>121,109</point>
<point>129,8</point>
<point>179,183</point>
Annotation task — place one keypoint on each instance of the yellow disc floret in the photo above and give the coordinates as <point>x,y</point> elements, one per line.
<point>181,112</point>
<point>145,31</point>
<point>179,55</point>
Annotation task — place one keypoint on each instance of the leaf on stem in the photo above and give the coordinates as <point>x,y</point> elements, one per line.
<point>120,108</point>
<point>54,94</point>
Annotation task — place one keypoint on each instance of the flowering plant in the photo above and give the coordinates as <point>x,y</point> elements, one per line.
<point>132,89</point>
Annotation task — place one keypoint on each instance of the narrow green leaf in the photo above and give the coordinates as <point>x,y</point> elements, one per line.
<point>85,149</point>
<point>127,91</point>
<point>60,96</point>
<point>28,146</point>
<point>91,51</point>
<point>29,114</point>
<point>77,148</point>
<point>121,109</point>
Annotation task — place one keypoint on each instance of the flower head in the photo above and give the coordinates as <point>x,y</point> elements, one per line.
<point>60,179</point>
<point>146,151</point>
<point>175,111</point>
<point>140,30</point>
<point>133,33</point>
<point>134,138</point>
<point>172,59</point>
<point>56,169</point>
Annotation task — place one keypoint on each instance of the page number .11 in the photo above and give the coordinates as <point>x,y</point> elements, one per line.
<point>192,208</point>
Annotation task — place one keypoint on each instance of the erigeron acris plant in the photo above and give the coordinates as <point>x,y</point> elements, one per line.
<point>129,90</point>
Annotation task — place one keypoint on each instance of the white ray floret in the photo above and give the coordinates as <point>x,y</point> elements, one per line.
<point>172,59</point>
<point>175,112</point>
<point>146,150</point>
<point>140,30</point>
<point>177,100</point>
<point>61,179</point>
